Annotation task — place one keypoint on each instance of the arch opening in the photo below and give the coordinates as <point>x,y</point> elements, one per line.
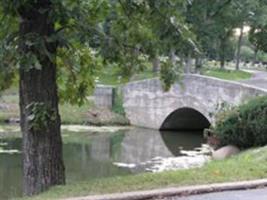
<point>185,119</point>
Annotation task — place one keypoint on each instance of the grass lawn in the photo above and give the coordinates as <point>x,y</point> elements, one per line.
<point>70,114</point>
<point>227,74</point>
<point>73,114</point>
<point>110,76</point>
<point>249,165</point>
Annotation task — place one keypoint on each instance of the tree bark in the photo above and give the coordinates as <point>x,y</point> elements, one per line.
<point>156,65</point>
<point>222,53</point>
<point>198,64</point>
<point>42,148</point>
<point>239,44</point>
<point>188,64</point>
<point>255,56</point>
<point>172,57</point>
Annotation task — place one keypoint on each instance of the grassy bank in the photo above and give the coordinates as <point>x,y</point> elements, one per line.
<point>112,75</point>
<point>70,114</point>
<point>246,166</point>
<point>227,74</point>
<point>86,114</point>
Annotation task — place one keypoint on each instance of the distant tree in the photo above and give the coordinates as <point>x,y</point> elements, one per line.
<point>258,31</point>
<point>210,23</point>
<point>243,12</point>
<point>148,29</point>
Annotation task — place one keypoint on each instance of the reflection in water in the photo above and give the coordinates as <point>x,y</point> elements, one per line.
<point>185,140</point>
<point>140,145</point>
<point>100,148</point>
<point>95,158</point>
<point>151,150</point>
<point>10,171</point>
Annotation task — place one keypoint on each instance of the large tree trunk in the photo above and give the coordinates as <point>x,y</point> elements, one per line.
<point>42,145</point>
<point>239,44</point>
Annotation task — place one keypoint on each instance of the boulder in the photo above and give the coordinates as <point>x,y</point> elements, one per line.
<point>225,152</point>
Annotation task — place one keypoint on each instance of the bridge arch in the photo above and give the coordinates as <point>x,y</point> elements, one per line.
<point>147,105</point>
<point>185,118</point>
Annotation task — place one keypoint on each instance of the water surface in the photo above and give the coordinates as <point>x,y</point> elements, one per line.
<point>91,155</point>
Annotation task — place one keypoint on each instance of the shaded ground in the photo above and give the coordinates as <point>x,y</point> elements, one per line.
<point>258,194</point>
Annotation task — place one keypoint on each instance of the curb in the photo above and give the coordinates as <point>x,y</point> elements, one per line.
<point>180,191</point>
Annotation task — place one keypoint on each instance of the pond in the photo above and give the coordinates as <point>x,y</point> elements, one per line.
<point>91,155</point>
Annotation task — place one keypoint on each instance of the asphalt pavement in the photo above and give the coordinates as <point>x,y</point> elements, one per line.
<point>257,194</point>
<point>259,79</point>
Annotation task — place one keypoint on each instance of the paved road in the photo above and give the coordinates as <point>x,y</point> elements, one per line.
<point>257,194</point>
<point>259,79</point>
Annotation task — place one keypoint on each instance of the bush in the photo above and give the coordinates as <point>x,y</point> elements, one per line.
<point>244,126</point>
<point>262,57</point>
<point>118,102</point>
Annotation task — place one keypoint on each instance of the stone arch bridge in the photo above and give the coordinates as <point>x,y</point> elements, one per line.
<point>190,104</point>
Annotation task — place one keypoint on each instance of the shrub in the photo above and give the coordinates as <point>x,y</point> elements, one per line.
<point>262,57</point>
<point>247,53</point>
<point>118,102</point>
<point>244,126</point>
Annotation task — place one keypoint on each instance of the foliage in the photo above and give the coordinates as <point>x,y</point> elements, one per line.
<point>215,22</point>
<point>91,34</point>
<point>244,126</point>
<point>169,74</point>
<point>246,53</point>
<point>257,34</point>
<point>139,31</point>
<point>258,38</point>
<point>210,23</point>
<point>76,71</point>
<point>40,115</point>
<point>118,102</point>
<point>75,22</point>
<point>262,56</point>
